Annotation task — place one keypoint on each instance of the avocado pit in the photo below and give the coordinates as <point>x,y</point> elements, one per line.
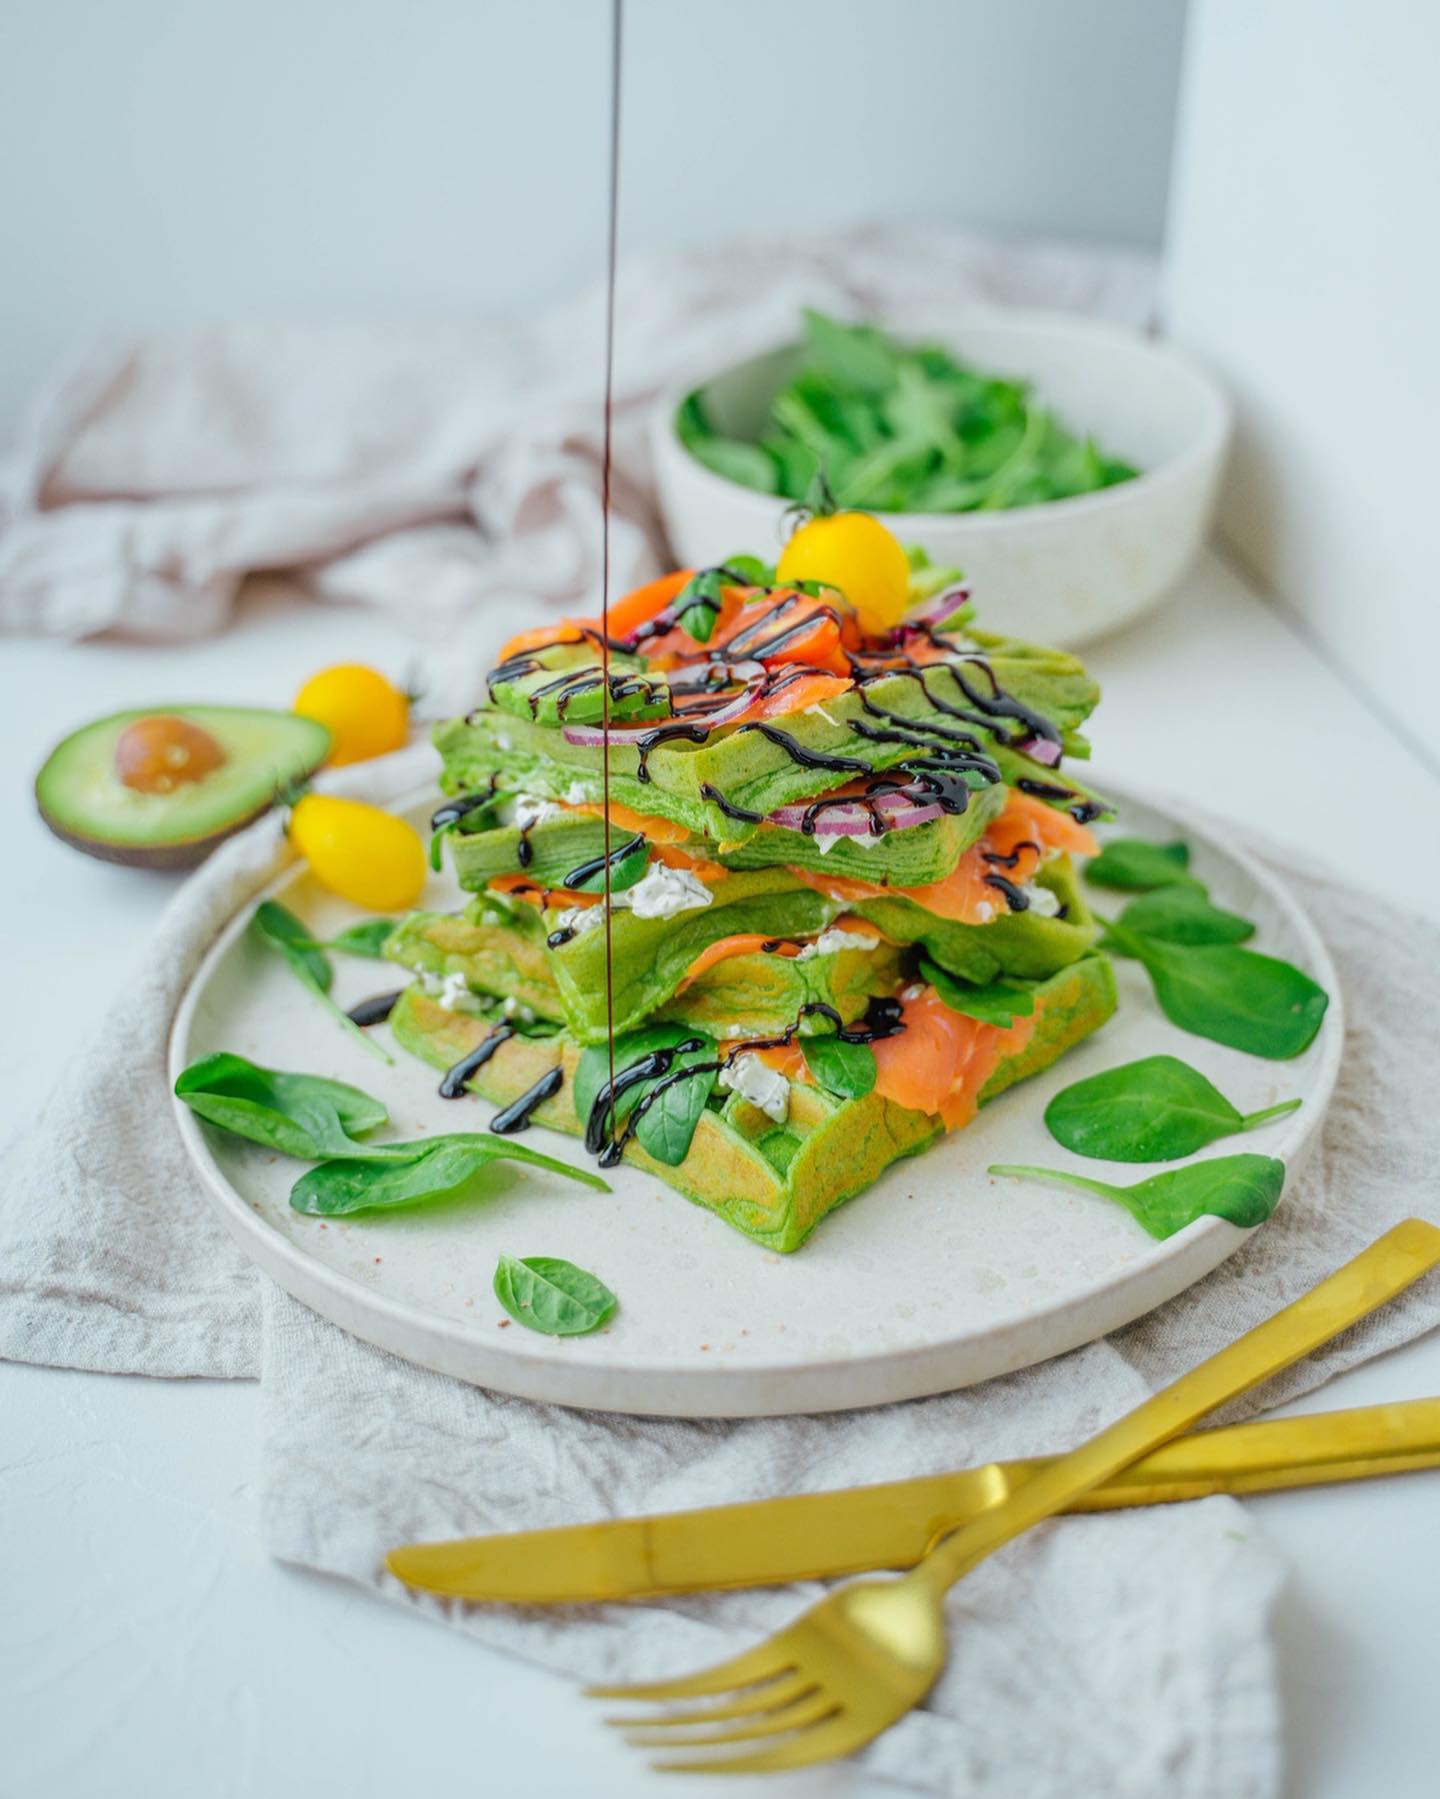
<point>163,752</point>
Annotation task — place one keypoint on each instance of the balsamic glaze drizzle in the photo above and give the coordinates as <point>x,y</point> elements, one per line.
<point>517,1115</point>
<point>452,1083</point>
<point>1015,898</point>
<point>882,1019</point>
<point>374,1010</point>
<point>1084,811</point>
<point>586,871</point>
<point>742,814</point>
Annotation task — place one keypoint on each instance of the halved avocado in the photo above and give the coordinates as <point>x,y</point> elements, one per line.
<point>85,801</point>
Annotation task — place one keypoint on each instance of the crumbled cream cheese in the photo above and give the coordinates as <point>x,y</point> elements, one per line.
<point>454,992</point>
<point>451,990</point>
<point>577,794</point>
<point>984,911</point>
<point>513,1008</point>
<point>831,942</point>
<point>530,810</point>
<point>765,1087</point>
<point>580,920</point>
<point>662,892</point>
<point>1043,903</point>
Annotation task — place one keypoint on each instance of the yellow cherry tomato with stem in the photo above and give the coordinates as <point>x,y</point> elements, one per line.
<point>856,553</point>
<point>366,713</point>
<point>367,856</point>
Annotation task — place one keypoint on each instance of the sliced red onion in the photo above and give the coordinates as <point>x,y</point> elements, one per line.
<point>1042,749</point>
<point>941,607</point>
<point>593,736</point>
<point>853,819</point>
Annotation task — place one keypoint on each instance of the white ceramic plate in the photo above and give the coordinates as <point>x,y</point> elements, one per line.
<point>936,1277</point>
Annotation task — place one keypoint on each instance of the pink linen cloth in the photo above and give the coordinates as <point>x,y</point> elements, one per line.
<point>424,470</point>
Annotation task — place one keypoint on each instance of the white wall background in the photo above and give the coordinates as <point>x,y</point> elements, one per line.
<point>1305,267</point>
<point>176,161</point>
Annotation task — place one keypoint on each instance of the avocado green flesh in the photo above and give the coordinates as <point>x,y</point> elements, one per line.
<point>83,799</point>
<point>774,1183</point>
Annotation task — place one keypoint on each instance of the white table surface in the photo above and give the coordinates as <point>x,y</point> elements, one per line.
<point>149,1647</point>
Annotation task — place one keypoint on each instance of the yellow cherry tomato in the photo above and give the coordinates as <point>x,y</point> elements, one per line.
<point>366,714</point>
<point>854,552</point>
<point>367,856</point>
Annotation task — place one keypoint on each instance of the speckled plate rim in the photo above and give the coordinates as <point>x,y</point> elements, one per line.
<point>961,1359</point>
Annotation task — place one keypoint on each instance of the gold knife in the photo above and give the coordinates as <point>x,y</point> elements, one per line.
<point>807,1535</point>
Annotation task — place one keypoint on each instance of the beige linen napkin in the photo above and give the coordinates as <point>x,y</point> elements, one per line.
<point>435,472</point>
<point>109,1260</point>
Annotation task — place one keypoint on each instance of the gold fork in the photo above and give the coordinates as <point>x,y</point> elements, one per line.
<point>869,1652</point>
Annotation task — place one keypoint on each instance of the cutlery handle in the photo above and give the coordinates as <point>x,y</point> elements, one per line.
<point>1376,1275</point>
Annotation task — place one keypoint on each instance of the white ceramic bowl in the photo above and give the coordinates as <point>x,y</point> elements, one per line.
<point>1062,572</point>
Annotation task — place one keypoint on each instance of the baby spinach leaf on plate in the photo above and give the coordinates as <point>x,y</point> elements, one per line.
<point>1243,1189</point>
<point>549,1294</point>
<point>1234,996</point>
<point>388,1175</point>
<point>844,1069</point>
<point>1184,913</point>
<point>999,1002</point>
<point>301,1115</point>
<point>1154,1110</point>
<point>1138,866</point>
<point>278,928</point>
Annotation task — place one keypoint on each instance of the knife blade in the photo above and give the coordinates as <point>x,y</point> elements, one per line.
<point>809,1535</point>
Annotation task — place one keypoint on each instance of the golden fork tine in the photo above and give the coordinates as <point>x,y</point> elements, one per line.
<point>812,1709</point>
<point>875,1648</point>
<point>761,1663</point>
<point>825,1742</point>
<point>774,1693</point>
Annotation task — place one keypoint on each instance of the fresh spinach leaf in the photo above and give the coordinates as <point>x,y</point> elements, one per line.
<point>666,1127</point>
<point>632,858</point>
<point>1154,1110</point>
<point>900,428</point>
<point>1000,1002</point>
<point>747,464</point>
<point>1184,913</point>
<point>368,938</point>
<point>1244,1189</point>
<point>301,1115</point>
<point>1138,866</point>
<point>844,1069</point>
<point>418,1173</point>
<point>750,570</point>
<point>279,929</point>
<point>548,1294</point>
<point>1234,996</point>
<point>697,605</point>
